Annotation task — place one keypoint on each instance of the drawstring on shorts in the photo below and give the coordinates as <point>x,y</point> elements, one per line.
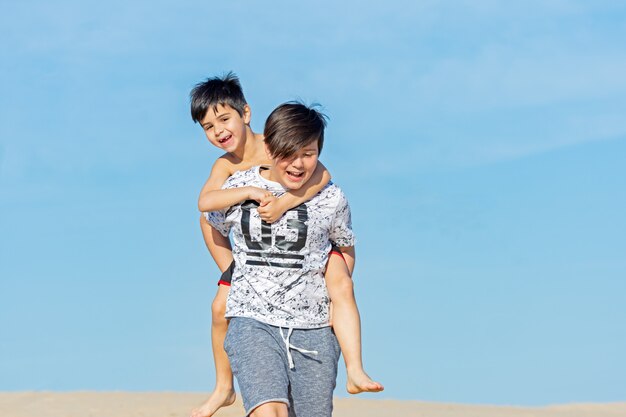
<point>289,346</point>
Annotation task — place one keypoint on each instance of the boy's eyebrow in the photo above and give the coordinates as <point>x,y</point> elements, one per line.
<point>217,116</point>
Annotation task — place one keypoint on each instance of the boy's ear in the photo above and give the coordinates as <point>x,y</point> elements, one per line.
<point>247,114</point>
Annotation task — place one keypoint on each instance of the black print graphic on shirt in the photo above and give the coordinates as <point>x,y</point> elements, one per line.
<point>266,247</point>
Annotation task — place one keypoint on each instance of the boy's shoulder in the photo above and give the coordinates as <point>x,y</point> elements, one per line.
<point>232,163</point>
<point>332,188</point>
<point>228,165</point>
<point>227,162</point>
<point>331,195</point>
<point>242,178</point>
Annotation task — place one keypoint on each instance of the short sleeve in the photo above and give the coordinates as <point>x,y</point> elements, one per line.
<point>217,219</point>
<point>341,233</point>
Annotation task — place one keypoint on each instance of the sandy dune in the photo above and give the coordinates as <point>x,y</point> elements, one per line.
<point>127,404</point>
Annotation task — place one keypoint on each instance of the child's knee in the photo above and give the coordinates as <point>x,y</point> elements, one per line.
<point>218,310</point>
<point>342,288</point>
<point>270,409</point>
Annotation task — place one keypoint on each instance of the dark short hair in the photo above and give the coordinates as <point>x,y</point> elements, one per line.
<point>292,126</point>
<point>225,90</point>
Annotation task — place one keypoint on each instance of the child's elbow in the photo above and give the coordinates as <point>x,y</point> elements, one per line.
<point>204,204</point>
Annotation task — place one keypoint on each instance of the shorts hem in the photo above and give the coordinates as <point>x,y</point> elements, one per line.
<point>226,283</point>
<point>272,400</point>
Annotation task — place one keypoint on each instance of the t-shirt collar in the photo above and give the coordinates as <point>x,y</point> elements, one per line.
<point>270,184</point>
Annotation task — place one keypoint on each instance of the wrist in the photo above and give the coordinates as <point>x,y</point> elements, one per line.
<point>283,203</point>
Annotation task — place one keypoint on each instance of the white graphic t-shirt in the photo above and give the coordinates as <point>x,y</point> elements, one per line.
<point>279,267</point>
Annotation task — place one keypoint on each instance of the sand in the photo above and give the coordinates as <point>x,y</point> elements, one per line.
<point>166,404</point>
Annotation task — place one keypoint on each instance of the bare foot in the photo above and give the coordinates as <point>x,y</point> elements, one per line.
<point>217,400</point>
<point>359,381</point>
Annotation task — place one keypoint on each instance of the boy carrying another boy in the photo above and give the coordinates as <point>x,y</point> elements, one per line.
<point>220,107</point>
<point>279,343</point>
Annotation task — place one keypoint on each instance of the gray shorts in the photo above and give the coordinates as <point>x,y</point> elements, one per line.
<point>261,363</point>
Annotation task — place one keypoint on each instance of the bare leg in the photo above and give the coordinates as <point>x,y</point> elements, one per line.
<point>347,325</point>
<point>272,409</point>
<point>224,393</point>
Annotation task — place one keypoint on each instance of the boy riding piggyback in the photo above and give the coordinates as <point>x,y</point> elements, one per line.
<point>218,104</point>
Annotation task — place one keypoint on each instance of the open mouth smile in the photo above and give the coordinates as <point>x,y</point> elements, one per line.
<point>225,139</point>
<point>295,176</point>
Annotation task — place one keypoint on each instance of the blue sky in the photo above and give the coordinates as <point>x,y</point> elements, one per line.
<point>482,146</point>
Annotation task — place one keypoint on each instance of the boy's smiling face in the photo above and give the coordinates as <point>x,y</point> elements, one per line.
<point>293,172</point>
<point>224,127</point>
